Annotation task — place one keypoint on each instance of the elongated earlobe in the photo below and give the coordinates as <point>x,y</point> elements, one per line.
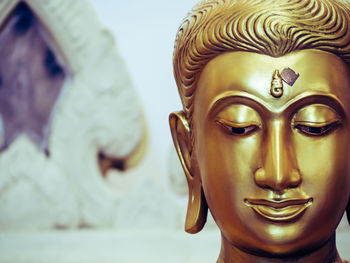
<point>348,211</point>
<point>197,208</point>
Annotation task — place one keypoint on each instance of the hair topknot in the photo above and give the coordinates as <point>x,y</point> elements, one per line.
<point>270,27</point>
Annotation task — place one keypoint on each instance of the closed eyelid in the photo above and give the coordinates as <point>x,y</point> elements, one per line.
<point>316,115</point>
<point>317,124</point>
<point>238,115</point>
<point>238,124</point>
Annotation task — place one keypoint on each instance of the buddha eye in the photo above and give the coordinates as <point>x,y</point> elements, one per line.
<point>316,120</point>
<point>239,130</point>
<point>317,130</point>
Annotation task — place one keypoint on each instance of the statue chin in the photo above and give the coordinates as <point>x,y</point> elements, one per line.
<point>263,136</point>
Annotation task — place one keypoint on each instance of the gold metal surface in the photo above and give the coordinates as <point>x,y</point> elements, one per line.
<point>273,170</point>
<point>276,85</point>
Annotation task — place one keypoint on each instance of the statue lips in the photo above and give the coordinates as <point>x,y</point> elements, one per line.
<point>280,211</point>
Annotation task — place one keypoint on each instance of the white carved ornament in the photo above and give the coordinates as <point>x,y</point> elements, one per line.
<point>97,111</point>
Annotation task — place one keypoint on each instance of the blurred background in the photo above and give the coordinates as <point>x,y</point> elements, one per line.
<point>87,166</point>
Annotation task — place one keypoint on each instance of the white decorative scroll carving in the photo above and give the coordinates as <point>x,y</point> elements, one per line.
<point>98,111</point>
<point>33,192</point>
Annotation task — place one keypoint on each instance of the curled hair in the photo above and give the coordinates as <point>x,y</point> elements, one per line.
<point>270,27</point>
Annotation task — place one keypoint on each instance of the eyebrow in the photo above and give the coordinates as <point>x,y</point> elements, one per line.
<point>248,99</point>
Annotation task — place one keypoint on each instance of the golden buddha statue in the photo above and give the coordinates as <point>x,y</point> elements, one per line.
<point>264,135</point>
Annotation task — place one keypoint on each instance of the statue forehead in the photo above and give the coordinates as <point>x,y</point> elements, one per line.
<point>274,28</point>
<point>252,74</point>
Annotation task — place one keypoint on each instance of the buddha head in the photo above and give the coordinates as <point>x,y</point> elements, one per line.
<point>264,135</point>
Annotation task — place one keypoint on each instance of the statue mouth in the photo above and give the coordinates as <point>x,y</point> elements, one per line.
<point>281,211</point>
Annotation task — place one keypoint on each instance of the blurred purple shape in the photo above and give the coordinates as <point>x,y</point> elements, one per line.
<point>32,75</point>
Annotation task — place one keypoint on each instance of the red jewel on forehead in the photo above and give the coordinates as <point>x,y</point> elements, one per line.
<point>289,76</point>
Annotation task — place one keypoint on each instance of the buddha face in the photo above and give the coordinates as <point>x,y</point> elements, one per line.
<point>274,171</point>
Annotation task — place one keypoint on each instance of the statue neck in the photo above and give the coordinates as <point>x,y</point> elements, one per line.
<point>326,254</point>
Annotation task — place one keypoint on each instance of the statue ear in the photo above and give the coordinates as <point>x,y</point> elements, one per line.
<point>197,208</point>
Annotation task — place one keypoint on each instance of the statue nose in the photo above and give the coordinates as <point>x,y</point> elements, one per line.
<point>279,170</point>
